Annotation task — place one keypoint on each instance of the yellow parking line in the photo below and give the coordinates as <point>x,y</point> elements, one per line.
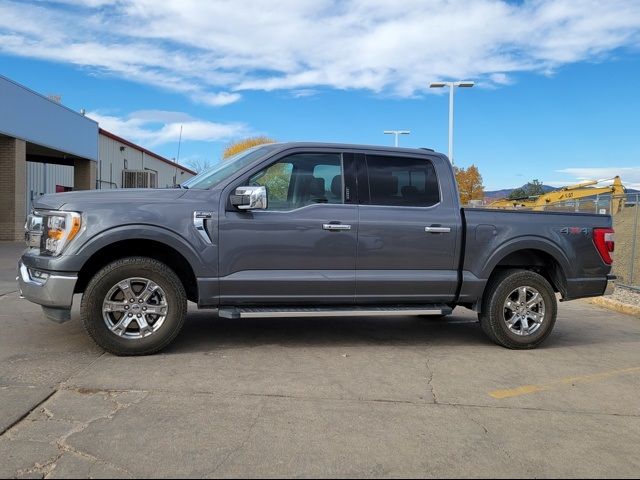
<point>527,389</point>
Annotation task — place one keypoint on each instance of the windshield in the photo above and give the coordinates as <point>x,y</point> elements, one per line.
<point>227,168</point>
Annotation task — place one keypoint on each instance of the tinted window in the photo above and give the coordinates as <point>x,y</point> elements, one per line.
<point>408,182</point>
<point>302,179</point>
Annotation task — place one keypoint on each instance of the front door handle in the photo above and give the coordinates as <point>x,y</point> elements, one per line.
<point>335,226</point>
<point>437,229</point>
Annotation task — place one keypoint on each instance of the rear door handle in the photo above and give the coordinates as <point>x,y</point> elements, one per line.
<point>437,229</point>
<point>335,226</point>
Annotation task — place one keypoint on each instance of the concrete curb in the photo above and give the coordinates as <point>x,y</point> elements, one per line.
<point>616,305</point>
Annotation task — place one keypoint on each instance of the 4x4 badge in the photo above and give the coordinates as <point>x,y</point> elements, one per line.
<point>574,231</point>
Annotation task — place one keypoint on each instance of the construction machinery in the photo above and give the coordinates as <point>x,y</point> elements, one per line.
<point>571,192</point>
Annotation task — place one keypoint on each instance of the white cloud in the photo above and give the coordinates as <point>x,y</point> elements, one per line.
<point>211,51</point>
<point>304,92</point>
<point>630,175</point>
<point>217,99</point>
<point>151,128</point>
<point>500,79</point>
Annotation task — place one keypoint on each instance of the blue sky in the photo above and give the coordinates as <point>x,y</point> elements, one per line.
<point>556,96</point>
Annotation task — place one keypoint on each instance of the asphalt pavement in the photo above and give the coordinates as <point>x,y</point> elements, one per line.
<point>336,397</point>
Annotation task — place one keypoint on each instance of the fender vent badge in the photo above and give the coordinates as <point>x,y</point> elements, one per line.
<point>199,218</point>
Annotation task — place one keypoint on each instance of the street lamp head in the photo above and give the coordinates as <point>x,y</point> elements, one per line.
<point>466,84</point>
<point>438,84</point>
<point>397,134</point>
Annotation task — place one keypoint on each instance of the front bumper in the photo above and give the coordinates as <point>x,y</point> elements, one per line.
<point>54,293</point>
<point>611,285</point>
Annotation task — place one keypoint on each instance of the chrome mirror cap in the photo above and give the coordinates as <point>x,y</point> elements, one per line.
<point>250,198</point>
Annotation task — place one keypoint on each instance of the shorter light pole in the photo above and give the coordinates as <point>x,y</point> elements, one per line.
<point>451,85</point>
<point>397,134</point>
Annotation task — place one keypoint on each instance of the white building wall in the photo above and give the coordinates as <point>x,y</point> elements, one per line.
<point>43,178</point>
<point>113,159</point>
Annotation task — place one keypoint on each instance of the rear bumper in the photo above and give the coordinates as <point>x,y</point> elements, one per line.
<point>611,285</point>
<point>54,291</point>
<point>589,287</point>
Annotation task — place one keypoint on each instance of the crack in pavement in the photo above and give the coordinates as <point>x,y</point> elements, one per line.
<point>63,384</point>
<point>115,397</point>
<point>417,403</point>
<point>47,468</point>
<point>28,413</point>
<point>493,441</point>
<point>477,422</point>
<point>430,380</point>
<point>242,445</point>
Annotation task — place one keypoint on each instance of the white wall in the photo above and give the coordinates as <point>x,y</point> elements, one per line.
<point>111,162</point>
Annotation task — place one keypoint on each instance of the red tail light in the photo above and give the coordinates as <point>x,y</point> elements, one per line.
<point>603,239</point>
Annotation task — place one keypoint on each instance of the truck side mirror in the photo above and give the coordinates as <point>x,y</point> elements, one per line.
<point>250,198</point>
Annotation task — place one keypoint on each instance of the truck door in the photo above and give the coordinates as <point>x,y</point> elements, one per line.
<point>302,248</point>
<point>408,232</point>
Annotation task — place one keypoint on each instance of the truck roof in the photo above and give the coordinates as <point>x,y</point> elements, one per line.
<point>287,145</point>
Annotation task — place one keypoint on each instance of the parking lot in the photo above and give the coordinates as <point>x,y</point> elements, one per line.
<point>393,397</point>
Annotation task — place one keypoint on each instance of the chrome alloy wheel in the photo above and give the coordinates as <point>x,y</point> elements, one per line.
<point>134,308</point>
<point>524,311</point>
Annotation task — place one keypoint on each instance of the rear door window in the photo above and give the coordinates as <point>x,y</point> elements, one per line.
<point>402,181</point>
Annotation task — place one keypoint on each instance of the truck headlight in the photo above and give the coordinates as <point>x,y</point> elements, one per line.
<point>51,231</point>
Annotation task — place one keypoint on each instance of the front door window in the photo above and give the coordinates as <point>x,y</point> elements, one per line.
<point>302,179</point>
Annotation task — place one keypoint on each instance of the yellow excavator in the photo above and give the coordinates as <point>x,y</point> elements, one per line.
<point>570,192</point>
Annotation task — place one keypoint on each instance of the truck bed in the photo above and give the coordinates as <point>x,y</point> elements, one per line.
<point>493,236</point>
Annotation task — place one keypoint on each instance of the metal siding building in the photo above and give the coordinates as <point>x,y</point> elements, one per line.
<point>117,155</point>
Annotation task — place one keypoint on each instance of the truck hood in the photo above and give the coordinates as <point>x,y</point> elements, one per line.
<point>57,201</point>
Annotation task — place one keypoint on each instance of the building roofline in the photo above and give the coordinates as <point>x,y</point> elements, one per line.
<point>46,98</point>
<point>113,136</point>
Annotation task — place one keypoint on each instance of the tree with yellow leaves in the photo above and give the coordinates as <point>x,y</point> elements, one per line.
<point>276,178</point>
<point>241,145</point>
<point>469,184</point>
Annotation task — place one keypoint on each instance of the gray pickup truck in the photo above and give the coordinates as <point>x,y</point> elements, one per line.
<point>307,230</point>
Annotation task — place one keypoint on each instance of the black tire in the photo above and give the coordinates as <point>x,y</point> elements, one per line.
<point>493,318</point>
<point>91,308</point>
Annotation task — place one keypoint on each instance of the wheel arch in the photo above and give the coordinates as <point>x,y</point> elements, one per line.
<point>537,255</point>
<point>157,249</point>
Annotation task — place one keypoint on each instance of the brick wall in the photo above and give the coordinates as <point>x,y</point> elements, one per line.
<point>84,174</point>
<point>13,171</point>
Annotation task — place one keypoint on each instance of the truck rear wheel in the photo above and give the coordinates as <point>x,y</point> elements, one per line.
<point>134,306</point>
<point>519,309</point>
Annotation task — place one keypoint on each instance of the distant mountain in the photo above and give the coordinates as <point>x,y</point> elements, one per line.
<point>505,192</point>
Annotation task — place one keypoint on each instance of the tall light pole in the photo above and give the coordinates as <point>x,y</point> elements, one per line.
<point>451,85</point>
<point>397,133</point>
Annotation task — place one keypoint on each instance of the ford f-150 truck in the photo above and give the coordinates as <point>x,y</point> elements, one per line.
<point>307,230</point>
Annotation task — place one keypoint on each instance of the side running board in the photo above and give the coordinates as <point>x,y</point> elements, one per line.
<point>363,311</point>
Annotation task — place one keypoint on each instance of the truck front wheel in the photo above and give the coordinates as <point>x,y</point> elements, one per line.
<point>519,309</point>
<point>134,306</point>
